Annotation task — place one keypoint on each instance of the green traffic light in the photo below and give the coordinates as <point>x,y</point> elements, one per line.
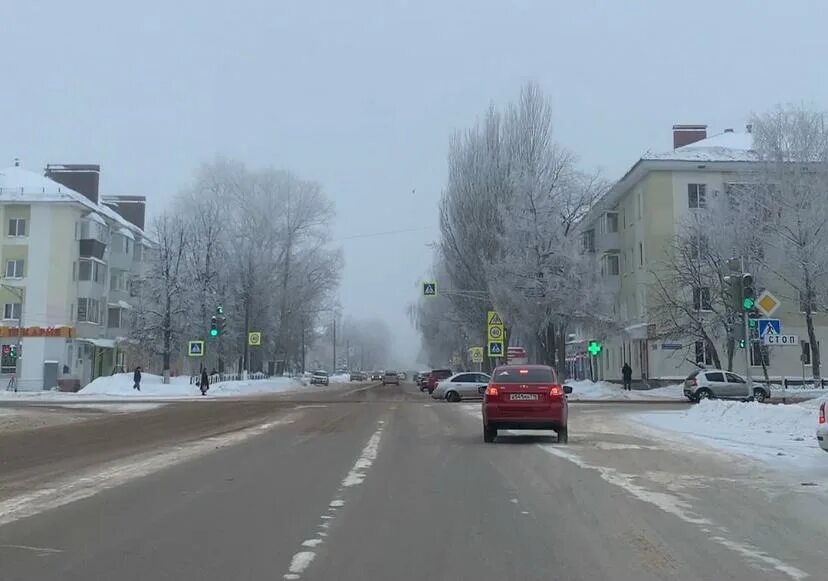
<point>741,343</point>
<point>214,332</point>
<point>751,323</point>
<point>748,303</point>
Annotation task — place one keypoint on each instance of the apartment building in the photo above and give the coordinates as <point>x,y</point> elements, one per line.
<point>67,261</point>
<point>629,231</point>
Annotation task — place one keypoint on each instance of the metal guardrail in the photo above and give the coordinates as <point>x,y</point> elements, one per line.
<point>220,377</point>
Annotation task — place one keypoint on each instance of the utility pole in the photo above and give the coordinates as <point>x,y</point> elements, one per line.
<point>334,345</point>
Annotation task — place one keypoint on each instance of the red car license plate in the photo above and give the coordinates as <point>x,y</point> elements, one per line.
<point>524,396</point>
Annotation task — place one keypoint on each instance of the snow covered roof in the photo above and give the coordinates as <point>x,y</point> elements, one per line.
<point>95,217</point>
<point>24,186</point>
<point>727,146</point>
<point>125,232</point>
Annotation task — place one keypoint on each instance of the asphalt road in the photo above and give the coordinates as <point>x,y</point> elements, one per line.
<point>382,483</point>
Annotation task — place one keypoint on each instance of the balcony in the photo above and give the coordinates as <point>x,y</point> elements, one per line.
<point>608,242</point>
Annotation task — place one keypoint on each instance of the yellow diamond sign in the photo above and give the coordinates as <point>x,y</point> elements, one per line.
<point>767,303</point>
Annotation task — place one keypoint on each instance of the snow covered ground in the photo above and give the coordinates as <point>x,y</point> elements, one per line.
<point>602,390</point>
<point>119,386</point>
<point>781,435</point>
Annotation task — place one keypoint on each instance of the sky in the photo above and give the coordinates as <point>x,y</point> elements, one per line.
<point>363,95</point>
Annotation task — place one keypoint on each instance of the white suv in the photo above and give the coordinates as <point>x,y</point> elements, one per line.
<point>716,383</point>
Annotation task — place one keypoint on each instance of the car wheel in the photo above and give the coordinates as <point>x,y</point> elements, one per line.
<point>489,434</point>
<point>453,396</point>
<point>563,435</point>
<point>704,393</point>
<point>759,395</point>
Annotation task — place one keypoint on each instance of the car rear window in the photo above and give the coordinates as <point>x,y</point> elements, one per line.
<point>390,373</point>
<point>443,372</point>
<point>717,376</point>
<point>524,375</point>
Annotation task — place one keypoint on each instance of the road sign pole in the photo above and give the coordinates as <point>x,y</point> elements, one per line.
<point>748,341</point>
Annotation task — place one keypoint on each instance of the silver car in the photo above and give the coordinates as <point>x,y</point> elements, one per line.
<point>461,386</point>
<point>719,384</point>
<point>822,428</point>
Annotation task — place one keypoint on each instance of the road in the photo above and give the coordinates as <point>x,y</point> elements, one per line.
<point>382,483</point>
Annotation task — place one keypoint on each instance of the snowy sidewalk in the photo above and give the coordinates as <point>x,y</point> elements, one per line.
<point>781,435</point>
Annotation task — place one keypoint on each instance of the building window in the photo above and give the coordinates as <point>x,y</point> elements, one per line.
<point>589,240</point>
<point>17,227</point>
<point>612,222</point>
<point>640,254</point>
<point>759,353</point>
<point>704,354</point>
<point>11,311</point>
<point>640,202</point>
<point>701,298</point>
<point>138,252</point>
<point>697,195</point>
<point>91,270</point>
<point>117,281</point>
<point>613,264</point>
<point>134,287</point>
<point>113,319</point>
<point>698,246</point>
<point>89,311</point>
<point>122,244</point>
<point>14,268</point>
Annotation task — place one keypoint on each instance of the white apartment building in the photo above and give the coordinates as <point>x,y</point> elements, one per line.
<point>67,262</point>
<point>630,229</point>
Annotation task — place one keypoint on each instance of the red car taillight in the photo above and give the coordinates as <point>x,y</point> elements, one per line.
<point>822,413</point>
<point>491,391</point>
<point>556,391</point>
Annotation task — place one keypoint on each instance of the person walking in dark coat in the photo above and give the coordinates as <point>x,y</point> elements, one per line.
<point>205,382</point>
<point>136,379</point>
<point>626,375</point>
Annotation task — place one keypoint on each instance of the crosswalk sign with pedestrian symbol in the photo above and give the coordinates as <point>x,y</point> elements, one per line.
<point>195,348</point>
<point>495,348</point>
<point>430,288</point>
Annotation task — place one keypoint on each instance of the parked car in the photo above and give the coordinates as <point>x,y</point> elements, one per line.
<point>358,376</point>
<point>320,378</point>
<point>402,376</point>
<point>390,377</point>
<point>822,428</point>
<point>716,383</point>
<point>421,378</point>
<point>461,386</point>
<point>525,397</point>
<point>434,377</point>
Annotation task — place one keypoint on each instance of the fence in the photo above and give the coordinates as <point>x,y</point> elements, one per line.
<point>219,377</point>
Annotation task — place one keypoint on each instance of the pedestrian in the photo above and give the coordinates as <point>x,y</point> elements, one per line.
<point>136,378</point>
<point>626,375</point>
<point>205,382</point>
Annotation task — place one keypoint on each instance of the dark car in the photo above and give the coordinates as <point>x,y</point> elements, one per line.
<point>435,376</point>
<point>358,376</point>
<point>525,397</point>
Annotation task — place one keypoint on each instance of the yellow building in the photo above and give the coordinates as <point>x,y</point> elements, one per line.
<point>67,260</point>
<point>632,227</point>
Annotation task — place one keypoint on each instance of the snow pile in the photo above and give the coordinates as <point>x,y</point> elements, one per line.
<point>602,390</point>
<point>152,387</point>
<point>765,431</point>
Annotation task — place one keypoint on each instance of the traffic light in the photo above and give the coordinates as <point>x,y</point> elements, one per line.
<point>214,329</point>
<point>594,348</point>
<point>219,310</point>
<point>741,343</point>
<point>748,292</point>
<point>13,352</point>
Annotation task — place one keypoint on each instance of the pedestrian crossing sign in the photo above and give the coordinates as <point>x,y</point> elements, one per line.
<point>430,288</point>
<point>195,348</point>
<point>495,348</point>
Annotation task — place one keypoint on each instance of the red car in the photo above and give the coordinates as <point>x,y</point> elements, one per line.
<point>435,376</point>
<point>525,397</point>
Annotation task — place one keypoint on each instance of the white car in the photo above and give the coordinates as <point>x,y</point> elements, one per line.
<point>720,384</point>
<point>822,428</point>
<point>319,378</point>
<point>461,386</point>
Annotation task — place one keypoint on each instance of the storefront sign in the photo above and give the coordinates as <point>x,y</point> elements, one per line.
<point>67,332</point>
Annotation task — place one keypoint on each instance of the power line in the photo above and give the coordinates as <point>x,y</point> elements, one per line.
<point>373,234</point>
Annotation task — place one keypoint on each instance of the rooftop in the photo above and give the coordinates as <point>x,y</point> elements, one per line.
<point>727,146</point>
<point>24,186</point>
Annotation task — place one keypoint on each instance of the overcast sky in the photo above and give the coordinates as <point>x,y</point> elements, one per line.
<point>362,95</point>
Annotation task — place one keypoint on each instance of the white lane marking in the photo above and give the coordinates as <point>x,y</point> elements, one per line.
<point>356,475</point>
<point>524,512</point>
<point>357,390</point>
<point>674,505</point>
<point>91,482</point>
<point>29,548</point>
<point>513,500</point>
<point>310,406</point>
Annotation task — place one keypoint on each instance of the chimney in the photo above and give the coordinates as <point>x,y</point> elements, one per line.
<point>749,127</point>
<point>687,134</point>
<point>131,208</point>
<point>83,178</point>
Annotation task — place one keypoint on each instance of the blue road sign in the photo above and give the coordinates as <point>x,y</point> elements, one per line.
<point>495,348</point>
<point>430,288</point>
<point>195,348</point>
<point>769,327</point>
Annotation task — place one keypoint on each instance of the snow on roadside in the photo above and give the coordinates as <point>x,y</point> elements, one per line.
<point>119,386</point>
<point>777,434</point>
<point>602,390</point>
